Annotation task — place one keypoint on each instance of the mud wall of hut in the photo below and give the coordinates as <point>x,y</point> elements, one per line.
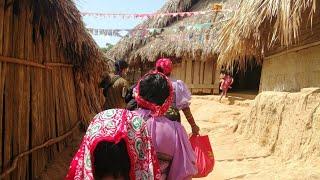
<point>291,71</point>
<point>38,98</point>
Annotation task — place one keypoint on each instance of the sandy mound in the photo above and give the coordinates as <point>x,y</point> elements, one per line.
<point>287,124</point>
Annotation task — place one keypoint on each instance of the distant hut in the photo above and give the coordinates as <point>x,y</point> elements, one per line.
<point>49,71</point>
<point>281,35</point>
<point>185,40</point>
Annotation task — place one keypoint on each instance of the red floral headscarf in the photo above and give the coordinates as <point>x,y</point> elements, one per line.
<point>157,110</point>
<point>165,64</point>
<point>115,125</point>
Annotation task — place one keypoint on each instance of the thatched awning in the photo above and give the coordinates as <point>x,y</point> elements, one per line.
<point>258,25</point>
<point>136,49</point>
<point>129,44</point>
<point>63,19</point>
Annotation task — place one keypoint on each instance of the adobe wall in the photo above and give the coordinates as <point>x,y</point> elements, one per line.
<point>291,71</point>
<point>288,124</point>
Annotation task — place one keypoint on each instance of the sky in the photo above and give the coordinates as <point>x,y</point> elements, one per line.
<point>115,6</point>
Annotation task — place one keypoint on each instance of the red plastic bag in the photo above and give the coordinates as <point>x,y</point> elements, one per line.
<point>205,158</point>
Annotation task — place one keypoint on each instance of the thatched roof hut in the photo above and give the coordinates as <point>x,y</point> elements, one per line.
<point>179,44</point>
<point>258,26</point>
<point>49,68</point>
<point>191,49</point>
<point>284,35</point>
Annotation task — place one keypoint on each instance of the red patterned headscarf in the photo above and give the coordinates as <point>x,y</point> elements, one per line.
<point>165,64</point>
<point>115,125</point>
<point>157,110</point>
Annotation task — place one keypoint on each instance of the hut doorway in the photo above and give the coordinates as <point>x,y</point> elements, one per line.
<point>247,80</point>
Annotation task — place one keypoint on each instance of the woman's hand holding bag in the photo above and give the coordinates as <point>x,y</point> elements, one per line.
<point>205,158</point>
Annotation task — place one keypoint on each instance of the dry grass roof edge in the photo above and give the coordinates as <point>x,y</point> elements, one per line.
<point>137,49</point>
<point>257,26</point>
<point>63,19</point>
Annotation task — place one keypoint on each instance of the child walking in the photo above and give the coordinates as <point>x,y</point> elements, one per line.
<point>225,84</point>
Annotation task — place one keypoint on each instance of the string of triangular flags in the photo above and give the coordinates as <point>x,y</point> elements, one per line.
<point>144,32</point>
<point>109,32</point>
<point>216,7</point>
<point>151,15</point>
<point>191,37</point>
<point>142,15</point>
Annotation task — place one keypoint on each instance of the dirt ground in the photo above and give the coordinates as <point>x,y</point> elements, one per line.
<point>236,157</point>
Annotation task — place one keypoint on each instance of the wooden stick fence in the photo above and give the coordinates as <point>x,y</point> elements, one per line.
<point>44,145</point>
<point>33,64</point>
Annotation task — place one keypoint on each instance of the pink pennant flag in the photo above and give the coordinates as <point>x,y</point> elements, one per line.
<point>188,14</point>
<point>195,13</point>
<point>181,14</point>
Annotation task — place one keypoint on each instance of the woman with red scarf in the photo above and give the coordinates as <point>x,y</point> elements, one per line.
<point>182,96</point>
<point>176,157</point>
<point>140,144</point>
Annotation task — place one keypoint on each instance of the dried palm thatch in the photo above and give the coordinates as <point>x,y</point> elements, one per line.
<point>193,44</point>
<point>189,43</point>
<point>63,19</point>
<point>258,25</point>
<point>49,71</point>
<point>128,44</point>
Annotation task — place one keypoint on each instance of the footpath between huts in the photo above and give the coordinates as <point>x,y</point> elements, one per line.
<point>236,157</point>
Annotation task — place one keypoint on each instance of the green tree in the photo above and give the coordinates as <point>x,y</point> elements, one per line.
<point>107,48</point>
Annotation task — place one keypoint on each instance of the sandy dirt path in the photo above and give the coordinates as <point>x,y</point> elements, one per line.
<point>236,157</point>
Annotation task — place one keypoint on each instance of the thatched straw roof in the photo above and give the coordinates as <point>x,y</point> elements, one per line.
<point>63,19</point>
<point>137,49</point>
<point>258,25</point>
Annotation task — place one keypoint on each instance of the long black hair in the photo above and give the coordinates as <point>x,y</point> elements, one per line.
<point>119,66</point>
<point>111,160</point>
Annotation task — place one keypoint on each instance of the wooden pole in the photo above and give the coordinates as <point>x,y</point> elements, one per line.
<point>9,84</point>
<point>21,93</point>
<point>22,62</point>
<point>2,79</point>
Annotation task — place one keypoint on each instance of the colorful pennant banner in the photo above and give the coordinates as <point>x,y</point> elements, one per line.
<point>144,15</point>
<point>146,31</point>
<point>151,15</point>
<point>109,32</point>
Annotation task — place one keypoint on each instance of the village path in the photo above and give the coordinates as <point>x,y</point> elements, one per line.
<point>236,157</point>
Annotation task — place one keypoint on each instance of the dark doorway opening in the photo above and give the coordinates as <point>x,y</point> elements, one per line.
<point>247,79</point>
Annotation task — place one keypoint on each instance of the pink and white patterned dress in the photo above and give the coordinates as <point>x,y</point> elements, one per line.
<point>115,125</point>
